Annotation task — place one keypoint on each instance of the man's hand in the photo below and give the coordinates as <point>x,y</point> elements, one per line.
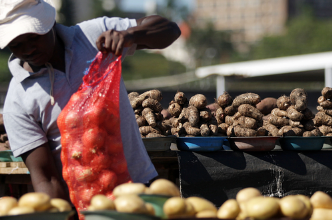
<point>113,41</point>
<point>152,32</point>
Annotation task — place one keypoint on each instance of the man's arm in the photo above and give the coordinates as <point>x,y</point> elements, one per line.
<point>155,32</point>
<point>44,174</point>
<point>152,32</point>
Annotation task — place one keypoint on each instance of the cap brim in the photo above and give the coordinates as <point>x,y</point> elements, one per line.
<point>38,22</point>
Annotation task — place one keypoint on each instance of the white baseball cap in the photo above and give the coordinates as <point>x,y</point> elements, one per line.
<point>19,17</point>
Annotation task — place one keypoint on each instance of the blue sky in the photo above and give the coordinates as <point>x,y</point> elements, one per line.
<point>138,5</point>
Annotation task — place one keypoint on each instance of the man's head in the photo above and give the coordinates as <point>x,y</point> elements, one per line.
<point>26,27</point>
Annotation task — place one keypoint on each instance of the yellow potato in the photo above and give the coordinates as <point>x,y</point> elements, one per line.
<point>147,191</point>
<point>190,210</point>
<point>178,207</point>
<point>91,208</point>
<point>7,203</point>
<point>101,202</point>
<point>262,207</point>
<point>201,204</point>
<point>293,207</point>
<point>129,188</point>
<point>21,210</point>
<point>61,204</point>
<point>52,209</point>
<point>130,204</point>
<point>321,200</point>
<point>206,214</point>
<point>319,214</point>
<point>229,209</point>
<point>307,203</point>
<point>150,209</point>
<point>247,193</point>
<point>164,187</point>
<point>36,200</point>
<point>243,211</point>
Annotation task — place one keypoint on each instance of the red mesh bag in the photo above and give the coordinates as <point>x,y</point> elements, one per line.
<point>92,152</point>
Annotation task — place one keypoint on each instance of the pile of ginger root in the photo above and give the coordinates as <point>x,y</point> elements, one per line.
<point>323,118</point>
<point>292,117</point>
<point>191,118</point>
<point>242,118</point>
<point>236,117</point>
<point>147,109</point>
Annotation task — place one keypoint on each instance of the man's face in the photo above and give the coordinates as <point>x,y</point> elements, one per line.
<point>33,48</point>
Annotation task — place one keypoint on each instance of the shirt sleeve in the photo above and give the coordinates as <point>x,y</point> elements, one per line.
<point>23,130</point>
<point>24,134</point>
<point>95,27</point>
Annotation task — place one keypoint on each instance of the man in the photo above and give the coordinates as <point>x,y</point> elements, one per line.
<point>47,63</point>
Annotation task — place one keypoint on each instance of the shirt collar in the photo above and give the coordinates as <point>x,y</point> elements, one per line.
<point>15,64</point>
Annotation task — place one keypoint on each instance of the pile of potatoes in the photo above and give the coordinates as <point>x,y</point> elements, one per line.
<point>250,203</point>
<point>148,115</point>
<point>31,203</point>
<point>292,117</point>
<point>127,198</point>
<point>323,118</point>
<point>191,118</point>
<point>242,118</point>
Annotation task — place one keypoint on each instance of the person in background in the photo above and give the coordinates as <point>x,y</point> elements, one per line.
<point>48,62</point>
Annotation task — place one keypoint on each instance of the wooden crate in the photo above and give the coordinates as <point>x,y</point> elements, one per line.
<point>13,168</point>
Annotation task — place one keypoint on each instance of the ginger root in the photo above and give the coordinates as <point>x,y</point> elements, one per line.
<point>174,109</point>
<point>205,130</point>
<point>326,111</point>
<point>246,98</point>
<point>325,129</point>
<point>230,110</point>
<point>153,104</point>
<point>244,132</point>
<point>283,102</point>
<point>250,111</point>
<point>180,98</point>
<point>224,100</point>
<point>322,119</point>
<point>293,114</point>
<point>144,130</point>
<point>327,92</point>
<point>199,101</point>
<point>278,112</point>
<point>278,121</point>
<point>247,122</point>
<point>191,130</point>
<point>149,116</point>
<point>272,129</point>
<point>205,115</point>
<point>220,115</point>
<point>298,99</point>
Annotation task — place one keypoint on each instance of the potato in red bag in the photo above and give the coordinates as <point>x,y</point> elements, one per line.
<point>92,151</point>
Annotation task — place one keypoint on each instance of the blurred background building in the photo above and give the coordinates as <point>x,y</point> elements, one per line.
<point>247,21</point>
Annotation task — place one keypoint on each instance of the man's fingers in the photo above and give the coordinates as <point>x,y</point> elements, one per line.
<point>108,44</point>
<point>100,43</point>
<point>111,42</point>
<point>119,48</point>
